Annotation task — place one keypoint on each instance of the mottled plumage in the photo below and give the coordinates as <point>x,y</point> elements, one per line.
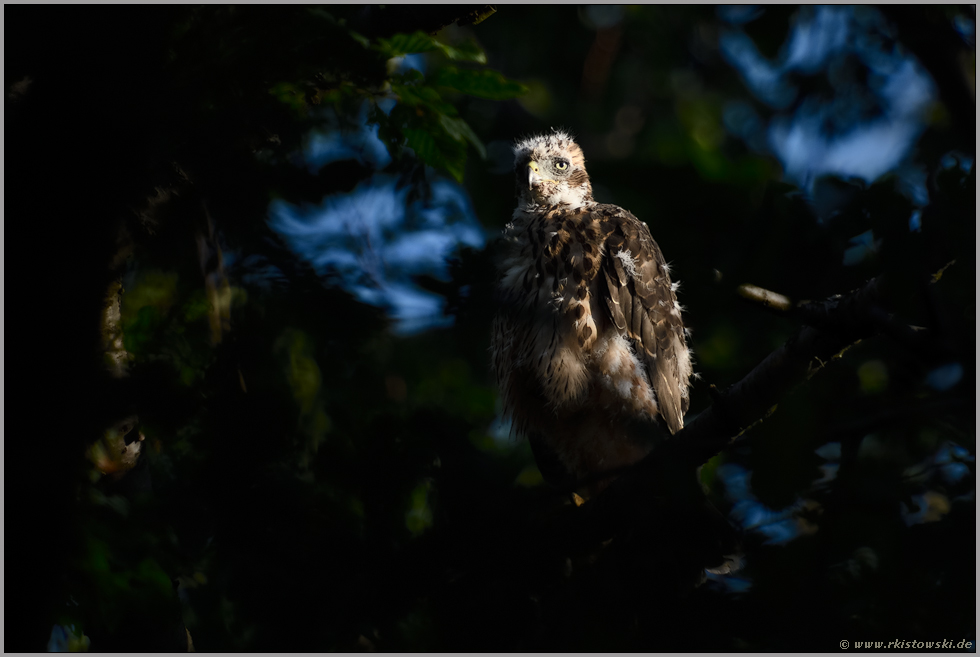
<point>589,347</point>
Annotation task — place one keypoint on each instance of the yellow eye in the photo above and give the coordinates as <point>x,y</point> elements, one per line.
<point>561,165</point>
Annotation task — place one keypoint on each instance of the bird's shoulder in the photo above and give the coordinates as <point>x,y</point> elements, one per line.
<point>635,268</point>
<point>625,232</point>
<point>611,211</point>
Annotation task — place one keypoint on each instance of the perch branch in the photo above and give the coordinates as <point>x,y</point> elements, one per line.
<point>858,312</point>
<point>843,321</point>
<point>832,326</point>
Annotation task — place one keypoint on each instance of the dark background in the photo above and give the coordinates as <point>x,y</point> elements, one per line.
<point>305,321</point>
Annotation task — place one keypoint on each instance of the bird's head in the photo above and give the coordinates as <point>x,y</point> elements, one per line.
<point>550,170</point>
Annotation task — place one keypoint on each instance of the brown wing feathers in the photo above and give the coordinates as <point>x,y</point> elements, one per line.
<point>643,306</point>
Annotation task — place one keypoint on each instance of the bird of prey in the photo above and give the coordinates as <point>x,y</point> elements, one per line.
<point>588,346</point>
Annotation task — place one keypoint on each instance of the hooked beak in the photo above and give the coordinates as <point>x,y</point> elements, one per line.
<point>533,177</point>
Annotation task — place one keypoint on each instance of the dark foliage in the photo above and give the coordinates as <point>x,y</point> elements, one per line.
<point>312,477</point>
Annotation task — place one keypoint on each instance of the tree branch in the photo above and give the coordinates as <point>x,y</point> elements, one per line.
<point>861,312</point>
<point>832,326</point>
<point>384,21</point>
<point>843,321</point>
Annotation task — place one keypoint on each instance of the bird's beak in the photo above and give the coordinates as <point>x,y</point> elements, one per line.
<point>532,174</point>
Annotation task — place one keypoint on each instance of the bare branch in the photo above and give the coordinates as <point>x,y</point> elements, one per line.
<point>767,298</point>
<point>858,312</point>
<point>834,325</point>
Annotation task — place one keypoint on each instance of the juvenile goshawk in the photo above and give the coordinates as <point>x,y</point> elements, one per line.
<point>589,348</point>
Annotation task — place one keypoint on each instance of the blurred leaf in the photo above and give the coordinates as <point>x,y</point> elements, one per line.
<point>422,96</point>
<point>197,306</point>
<point>152,288</point>
<point>460,130</point>
<point>529,477</point>
<point>419,515</point>
<point>420,42</point>
<point>291,95</point>
<point>431,128</point>
<point>482,83</point>
<point>424,145</point>
<point>301,368</point>
<point>139,331</point>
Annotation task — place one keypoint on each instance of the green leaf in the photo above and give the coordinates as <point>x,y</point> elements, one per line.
<point>419,515</point>
<point>460,130</point>
<point>290,94</point>
<point>448,155</point>
<point>139,331</point>
<point>422,96</point>
<point>363,40</point>
<point>481,83</point>
<point>406,44</point>
<point>438,139</point>
<point>409,76</point>
<point>420,42</point>
<point>466,52</point>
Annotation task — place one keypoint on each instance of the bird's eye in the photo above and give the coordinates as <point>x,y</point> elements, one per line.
<point>561,165</point>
